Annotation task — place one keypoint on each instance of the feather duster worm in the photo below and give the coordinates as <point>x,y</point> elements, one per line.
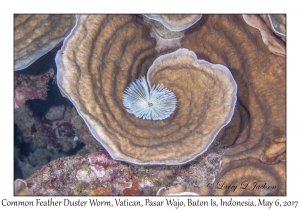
<point>156,104</point>
<point>104,54</point>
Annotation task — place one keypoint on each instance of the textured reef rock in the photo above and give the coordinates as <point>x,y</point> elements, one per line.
<point>35,35</point>
<point>28,87</point>
<point>114,62</point>
<point>99,174</point>
<point>52,136</point>
<point>60,132</point>
<point>255,138</point>
<point>54,131</point>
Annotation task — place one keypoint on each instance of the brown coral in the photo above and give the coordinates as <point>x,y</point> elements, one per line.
<point>35,35</point>
<point>176,22</point>
<point>275,45</point>
<point>256,135</point>
<point>178,190</point>
<point>250,177</point>
<point>258,127</point>
<point>105,54</point>
<point>20,188</point>
<point>277,22</point>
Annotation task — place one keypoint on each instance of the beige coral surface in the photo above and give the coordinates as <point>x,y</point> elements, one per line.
<point>115,50</point>
<point>106,53</point>
<point>259,121</point>
<point>35,35</point>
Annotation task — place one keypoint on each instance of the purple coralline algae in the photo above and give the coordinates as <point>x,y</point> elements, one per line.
<point>92,171</point>
<point>55,133</point>
<point>99,174</point>
<point>27,87</point>
<point>53,136</point>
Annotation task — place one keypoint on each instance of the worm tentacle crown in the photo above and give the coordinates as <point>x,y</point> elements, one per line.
<point>158,103</point>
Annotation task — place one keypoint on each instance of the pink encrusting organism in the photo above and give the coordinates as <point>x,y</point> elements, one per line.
<point>28,87</point>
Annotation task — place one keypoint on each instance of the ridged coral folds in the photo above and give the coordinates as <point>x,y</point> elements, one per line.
<point>104,54</point>
<point>257,132</point>
<point>35,35</point>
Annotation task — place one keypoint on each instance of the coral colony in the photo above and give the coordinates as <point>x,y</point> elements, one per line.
<point>121,133</point>
<point>156,104</point>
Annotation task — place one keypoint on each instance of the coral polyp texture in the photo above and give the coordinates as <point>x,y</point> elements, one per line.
<point>257,131</point>
<point>98,174</point>
<point>35,35</point>
<point>104,54</point>
<point>274,44</point>
<point>157,103</point>
<point>277,22</point>
<point>176,22</point>
<point>95,73</point>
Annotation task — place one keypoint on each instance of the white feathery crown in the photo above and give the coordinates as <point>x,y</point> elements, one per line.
<point>156,104</point>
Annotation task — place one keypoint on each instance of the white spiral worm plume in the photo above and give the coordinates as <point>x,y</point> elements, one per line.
<point>156,104</point>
